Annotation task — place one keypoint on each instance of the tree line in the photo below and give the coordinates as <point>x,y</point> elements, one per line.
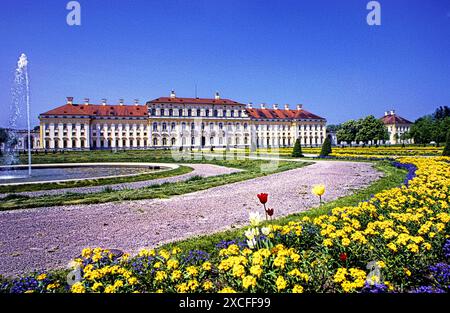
<point>426,129</point>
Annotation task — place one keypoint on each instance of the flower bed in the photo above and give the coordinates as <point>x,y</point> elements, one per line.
<point>397,241</point>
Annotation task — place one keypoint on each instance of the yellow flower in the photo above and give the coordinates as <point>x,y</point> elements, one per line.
<point>407,271</point>
<point>238,270</point>
<point>207,266</point>
<point>227,290</point>
<point>297,289</point>
<point>110,289</point>
<point>52,286</point>
<point>97,286</point>
<point>256,270</point>
<point>281,283</point>
<point>172,264</point>
<point>41,277</point>
<point>392,246</point>
<point>248,281</point>
<point>176,275</point>
<point>327,242</point>
<point>345,242</point>
<point>132,280</point>
<point>160,275</point>
<point>192,271</point>
<point>318,190</point>
<point>208,285</point>
<point>78,287</point>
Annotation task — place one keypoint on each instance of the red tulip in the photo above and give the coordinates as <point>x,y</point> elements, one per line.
<point>343,257</point>
<point>263,197</point>
<point>270,212</point>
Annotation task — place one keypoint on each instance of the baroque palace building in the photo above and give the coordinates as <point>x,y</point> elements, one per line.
<point>168,122</point>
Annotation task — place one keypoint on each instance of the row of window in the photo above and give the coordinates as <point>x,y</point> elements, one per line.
<point>164,126</point>
<point>189,112</point>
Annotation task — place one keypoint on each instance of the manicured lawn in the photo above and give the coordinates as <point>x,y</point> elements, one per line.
<point>251,169</point>
<point>95,181</point>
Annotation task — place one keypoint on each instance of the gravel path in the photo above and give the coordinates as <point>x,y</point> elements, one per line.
<point>46,238</point>
<point>204,170</point>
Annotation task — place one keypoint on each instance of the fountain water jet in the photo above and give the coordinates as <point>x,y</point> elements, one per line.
<point>21,98</point>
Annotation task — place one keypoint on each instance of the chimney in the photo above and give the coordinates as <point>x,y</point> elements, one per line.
<point>299,107</point>
<point>103,101</point>
<point>136,101</point>
<point>70,100</point>
<point>386,113</point>
<point>393,112</point>
<point>249,105</point>
<point>172,94</point>
<point>86,101</point>
<point>217,96</point>
<point>275,106</point>
<point>286,106</point>
<point>120,101</point>
<point>263,105</point>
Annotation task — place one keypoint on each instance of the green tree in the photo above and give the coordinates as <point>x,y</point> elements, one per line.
<point>446,151</point>
<point>347,131</point>
<point>422,130</point>
<point>297,150</point>
<point>326,147</point>
<point>371,129</point>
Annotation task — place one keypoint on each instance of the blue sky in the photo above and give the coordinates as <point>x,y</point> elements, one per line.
<point>320,53</point>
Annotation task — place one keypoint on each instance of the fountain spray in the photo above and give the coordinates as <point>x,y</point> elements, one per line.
<point>22,78</point>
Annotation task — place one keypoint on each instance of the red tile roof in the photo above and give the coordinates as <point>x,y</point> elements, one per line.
<point>100,110</point>
<point>394,119</point>
<point>281,114</point>
<point>193,101</point>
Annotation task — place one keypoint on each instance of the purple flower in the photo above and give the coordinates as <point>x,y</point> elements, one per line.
<point>375,288</point>
<point>428,289</point>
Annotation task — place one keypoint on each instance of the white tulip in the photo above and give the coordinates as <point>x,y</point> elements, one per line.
<point>265,231</point>
<point>255,218</point>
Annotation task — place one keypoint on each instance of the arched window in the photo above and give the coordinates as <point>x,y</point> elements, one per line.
<point>207,112</point>
<point>172,126</point>
<point>203,126</point>
<point>170,112</point>
<point>164,141</point>
<point>198,112</point>
<point>232,113</point>
<point>153,112</point>
<point>162,112</point>
<point>216,113</point>
<point>155,141</point>
<point>245,125</point>
<point>155,126</point>
<point>192,125</point>
<point>172,141</point>
<point>183,126</point>
<point>164,126</point>
<point>180,112</point>
<point>220,126</point>
<point>224,112</point>
<point>189,112</point>
<point>192,140</point>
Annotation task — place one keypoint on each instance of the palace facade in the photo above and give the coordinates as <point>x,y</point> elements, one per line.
<point>397,126</point>
<point>168,122</point>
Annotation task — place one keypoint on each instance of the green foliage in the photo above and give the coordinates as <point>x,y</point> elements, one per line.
<point>371,129</point>
<point>326,147</point>
<point>365,130</point>
<point>297,151</point>
<point>347,131</point>
<point>446,151</point>
<point>431,127</point>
